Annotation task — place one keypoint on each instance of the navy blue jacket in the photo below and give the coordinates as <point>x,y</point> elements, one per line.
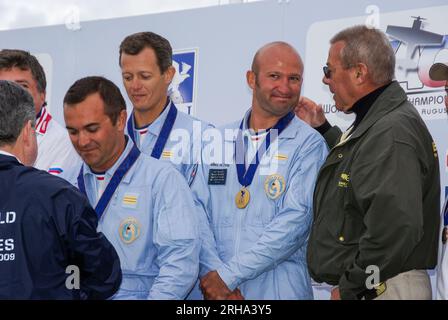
<point>46,225</point>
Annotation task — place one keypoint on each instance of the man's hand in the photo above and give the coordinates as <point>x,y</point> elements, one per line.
<point>310,112</point>
<point>335,294</point>
<point>235,295</point>
<point>213,288</point>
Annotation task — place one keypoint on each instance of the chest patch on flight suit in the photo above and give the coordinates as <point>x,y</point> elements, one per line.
<point>167,154</point>
<point>217,176</point>
<point>130,200</point>
<point>281,157</point>
<point>274,186</point>
<point>129,230</point>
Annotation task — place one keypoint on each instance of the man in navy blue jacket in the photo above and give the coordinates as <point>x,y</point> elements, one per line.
<point>49,247</point>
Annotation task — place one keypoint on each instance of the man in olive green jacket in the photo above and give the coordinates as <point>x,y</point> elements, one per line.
<point>377,197</point>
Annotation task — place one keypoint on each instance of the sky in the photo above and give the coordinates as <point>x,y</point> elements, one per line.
<point>32,13</point>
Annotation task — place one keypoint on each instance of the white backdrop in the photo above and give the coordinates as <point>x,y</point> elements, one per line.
<point>225,39</point>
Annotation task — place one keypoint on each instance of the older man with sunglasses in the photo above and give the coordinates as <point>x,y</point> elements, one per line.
<point>377,197</point>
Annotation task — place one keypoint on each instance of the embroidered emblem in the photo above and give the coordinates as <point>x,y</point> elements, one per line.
<point>274,186</point>
<point>129,230</point>
<point>345,178</point>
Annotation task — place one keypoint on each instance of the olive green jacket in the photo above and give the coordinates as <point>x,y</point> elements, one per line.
<point>377,199</point>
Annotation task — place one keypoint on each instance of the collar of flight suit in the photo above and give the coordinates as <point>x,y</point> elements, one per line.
<point>110,172</point>
<point>290,131</point>
<point>155,127</point>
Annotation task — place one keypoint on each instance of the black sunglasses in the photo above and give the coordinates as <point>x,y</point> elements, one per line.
<point>327,72</point>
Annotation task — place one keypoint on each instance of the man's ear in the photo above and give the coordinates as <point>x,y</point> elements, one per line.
<point>251,78</point>
<point>42,97</point>
<point>28,133</point>
<point>26,144</point>
<point>168,75</point>
<point>361,73</point>
<point>121,120</point>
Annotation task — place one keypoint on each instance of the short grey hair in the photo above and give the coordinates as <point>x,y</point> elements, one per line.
<point>16,109</point>
<point>371,47</point>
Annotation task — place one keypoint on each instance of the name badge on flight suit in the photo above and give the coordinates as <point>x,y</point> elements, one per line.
<point>217,176</point>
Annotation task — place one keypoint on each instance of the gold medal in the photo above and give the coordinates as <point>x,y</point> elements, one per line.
<point>242,198</point>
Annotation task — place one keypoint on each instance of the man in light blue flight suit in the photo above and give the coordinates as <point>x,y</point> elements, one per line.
<point>258,198</point>
<point>145,207</point>
<point>155,125</point>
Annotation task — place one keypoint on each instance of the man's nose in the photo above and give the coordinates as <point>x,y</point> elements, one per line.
<point>83,139</point>
<point>326,80</point>
<point>136,84</point>
<point>284,86</point>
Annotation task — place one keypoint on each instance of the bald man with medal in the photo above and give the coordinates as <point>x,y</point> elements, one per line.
<point>258,197</point>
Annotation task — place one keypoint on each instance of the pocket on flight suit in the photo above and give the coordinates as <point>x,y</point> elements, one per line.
<point>223,230</point>
<point>174,223</point>
<point>261,215</point>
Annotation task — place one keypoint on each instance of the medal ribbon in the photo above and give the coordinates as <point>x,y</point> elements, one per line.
<point>245,177</point>
<point>164,132</point>
<point>113,183</point>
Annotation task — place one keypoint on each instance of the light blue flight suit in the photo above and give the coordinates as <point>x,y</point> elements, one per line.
<point>183,147</point>
<point>151,223</point>
<point>261,249</point>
